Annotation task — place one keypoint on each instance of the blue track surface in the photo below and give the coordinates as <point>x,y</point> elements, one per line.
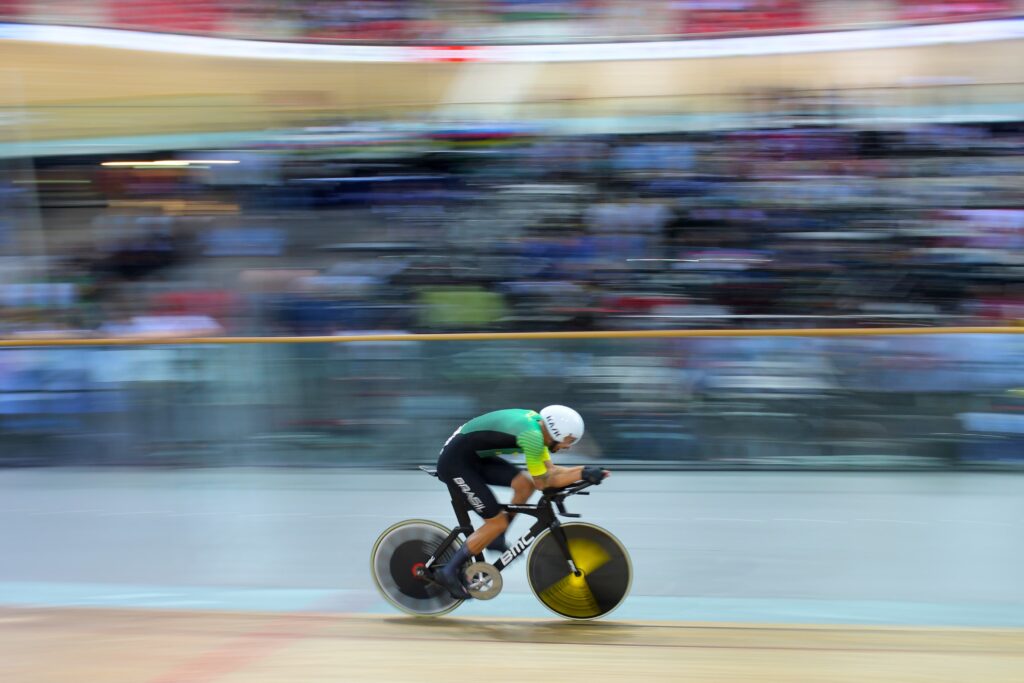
<point>913,549</point>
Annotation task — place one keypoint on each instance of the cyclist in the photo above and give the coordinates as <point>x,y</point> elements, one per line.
<point>470,461</point>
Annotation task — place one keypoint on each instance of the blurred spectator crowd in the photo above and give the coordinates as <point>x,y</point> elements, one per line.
<point>346,229</point>
<point>429,226</point>
<point>490,20</point>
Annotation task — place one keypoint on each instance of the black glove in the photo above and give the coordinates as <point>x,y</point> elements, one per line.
<point>593,475</point>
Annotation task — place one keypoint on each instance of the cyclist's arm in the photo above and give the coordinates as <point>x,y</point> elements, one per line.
<point>538,459</point>
<point>557,477</point>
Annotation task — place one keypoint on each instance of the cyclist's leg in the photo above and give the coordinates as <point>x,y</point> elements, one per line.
<point>472,482</point>
<point>462,470</point>
<point>499,472</point>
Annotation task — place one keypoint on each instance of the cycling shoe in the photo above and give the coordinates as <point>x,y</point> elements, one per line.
<point>453,585</point>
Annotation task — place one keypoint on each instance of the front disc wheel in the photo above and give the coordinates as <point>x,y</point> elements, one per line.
<point>603,579</point>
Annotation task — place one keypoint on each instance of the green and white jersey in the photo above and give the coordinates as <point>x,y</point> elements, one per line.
<point>508,432</point>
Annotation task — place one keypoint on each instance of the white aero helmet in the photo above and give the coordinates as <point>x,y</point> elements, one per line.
<point>562,422</point>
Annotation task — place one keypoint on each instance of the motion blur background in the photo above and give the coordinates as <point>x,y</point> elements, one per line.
<point>183,190</point>
<point>750,196</point>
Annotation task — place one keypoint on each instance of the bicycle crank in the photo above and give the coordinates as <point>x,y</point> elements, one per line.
<point>483,581</point>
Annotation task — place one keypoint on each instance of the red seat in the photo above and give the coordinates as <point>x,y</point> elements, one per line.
<point>924,10</point>
<point>198,16</point>
<point>764,16</point>
<point>11,9</point>
<point>370,30</point>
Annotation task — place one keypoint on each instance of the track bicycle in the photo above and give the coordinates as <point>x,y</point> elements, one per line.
<point>576,570</point>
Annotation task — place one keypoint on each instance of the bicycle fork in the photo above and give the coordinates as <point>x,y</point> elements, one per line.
<point>563,543</point>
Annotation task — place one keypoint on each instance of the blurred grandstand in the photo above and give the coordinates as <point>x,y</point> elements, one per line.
<point>488,21</point>
<point>508,230</point>
<point>168,198</point>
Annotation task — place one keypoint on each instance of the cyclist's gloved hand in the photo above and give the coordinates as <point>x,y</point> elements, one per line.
<point>594,475</point>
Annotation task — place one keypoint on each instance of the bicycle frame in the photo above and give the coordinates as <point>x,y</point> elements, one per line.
<point>546,519</point>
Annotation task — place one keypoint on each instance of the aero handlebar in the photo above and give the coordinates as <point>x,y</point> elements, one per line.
<point>558,496</point>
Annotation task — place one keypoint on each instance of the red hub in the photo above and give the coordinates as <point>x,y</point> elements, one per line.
<point>417,570</point>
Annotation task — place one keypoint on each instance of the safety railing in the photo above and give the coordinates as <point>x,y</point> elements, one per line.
<point>914,398</point>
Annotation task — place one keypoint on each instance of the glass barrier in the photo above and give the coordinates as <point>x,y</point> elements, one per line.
<point>931,401</point>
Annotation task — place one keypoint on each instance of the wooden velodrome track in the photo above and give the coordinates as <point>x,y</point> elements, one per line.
<point>68,92</point>
<point>142,646</point>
